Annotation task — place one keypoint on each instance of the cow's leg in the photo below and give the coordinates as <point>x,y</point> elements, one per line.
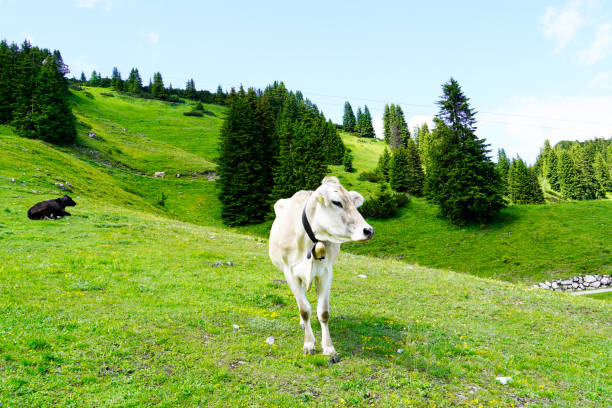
<point>323,289</point>
<point>304,307</point>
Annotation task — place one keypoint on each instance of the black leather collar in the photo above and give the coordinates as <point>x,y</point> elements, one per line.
<point>311,235</point>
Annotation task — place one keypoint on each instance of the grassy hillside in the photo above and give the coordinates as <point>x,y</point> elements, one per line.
<point>114,307</point>
<point>147,135</point>
<point>527,244</point>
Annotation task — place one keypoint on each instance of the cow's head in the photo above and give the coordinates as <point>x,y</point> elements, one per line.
<point>67,201</point>
<point>336,216</point>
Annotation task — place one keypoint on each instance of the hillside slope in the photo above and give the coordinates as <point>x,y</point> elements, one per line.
<point>113,307</point>
<point>137,137</point>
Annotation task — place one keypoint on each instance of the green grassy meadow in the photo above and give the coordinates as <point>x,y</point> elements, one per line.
<point>115,307</point>
<point>119,305</point>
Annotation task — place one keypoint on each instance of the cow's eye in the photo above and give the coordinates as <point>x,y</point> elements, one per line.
<point>337,204</point>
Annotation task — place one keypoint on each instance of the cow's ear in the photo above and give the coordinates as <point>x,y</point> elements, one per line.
<point>321,195</point>
<point>357,198</point>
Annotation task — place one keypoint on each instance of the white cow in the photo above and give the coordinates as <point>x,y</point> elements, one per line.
<point>329,216</point>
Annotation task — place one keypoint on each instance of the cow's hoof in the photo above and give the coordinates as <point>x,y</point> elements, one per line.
<point>309,349</point>
<point>333,359</point>
<point>329,351</point>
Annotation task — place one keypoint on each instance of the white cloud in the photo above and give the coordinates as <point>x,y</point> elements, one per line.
<point>600,48</point>
<point>562,25</point>
<point>77,66</point>
<point>603,80</point>
<point>377,124</point>
<point>418,120</point>
<point>154,37</point>
<point>523,129</point>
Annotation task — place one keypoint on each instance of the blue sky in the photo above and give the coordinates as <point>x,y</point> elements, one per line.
<point>532,69</point>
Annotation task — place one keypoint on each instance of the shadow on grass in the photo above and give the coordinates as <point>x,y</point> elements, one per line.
<point>413,345</point>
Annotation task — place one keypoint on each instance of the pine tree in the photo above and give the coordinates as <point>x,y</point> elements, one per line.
<point>333,146</point>
<point>399,170</point>
<point>552,171</point>
<point>541,165</point>
<point>27,64</point>
<point>424,145</point>
<point>602,173</point>
<point>348,119</point>
<point>116,81</point>
<point>387,124</point>
<point>53,121</point>
<point>414,169</point>
<point>396,129</point>
<point>219,96</point>
<point>347,162</point>
<point>245,168</point>
<point>157,88</point>
<point>190,89</point>
<point>83,78</point>
<point>384,164</point>
<point>360,121</point>
<point>584,157</point>
<point>503,166</point>
<point>368,129</point>
<point>461,179</point>
<point>95,79</point>
<point>7,58</point>
<point>134,82</point>
<point>523,185</point>
<point>300,165</point>
<point>568,177</point>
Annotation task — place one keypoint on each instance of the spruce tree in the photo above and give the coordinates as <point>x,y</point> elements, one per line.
<point>568,177</point>
<point>368,128</point>
<point>503,166</point>
<point>6,82</point>
<point>347,162</point>
<point>53,121</point>
<point>384,164</point>
<point>399,170</point>
<point>27,64</point>
<point>134,82</point>
<point>397,133</point>
<point>387,124</point>
<point>190,89</point>
<point>83,79</point>
<point>584,157</point>
<point>348,119</point>
<point>95,79</point>
<point>245,168</point>
<point>116,81</point>
<point>602,173</point>
<point>219,96</point>
<point>552,171</point>
<point>333,146</point>
<point>461,178</point>
<point>360,120</point>
<point>157,88</point>
<point>414,169</point>
<point>523,185</point>
<point>425,144</point>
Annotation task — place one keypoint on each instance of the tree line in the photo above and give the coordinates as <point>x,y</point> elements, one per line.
<point>360,124</point>
<point>156,89</point>
<point>272,143</point>
<point>34,96</point>
<point>577,170</point>
<point>449,165</point>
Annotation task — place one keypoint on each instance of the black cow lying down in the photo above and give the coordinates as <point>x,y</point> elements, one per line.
<point>51,208</point>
